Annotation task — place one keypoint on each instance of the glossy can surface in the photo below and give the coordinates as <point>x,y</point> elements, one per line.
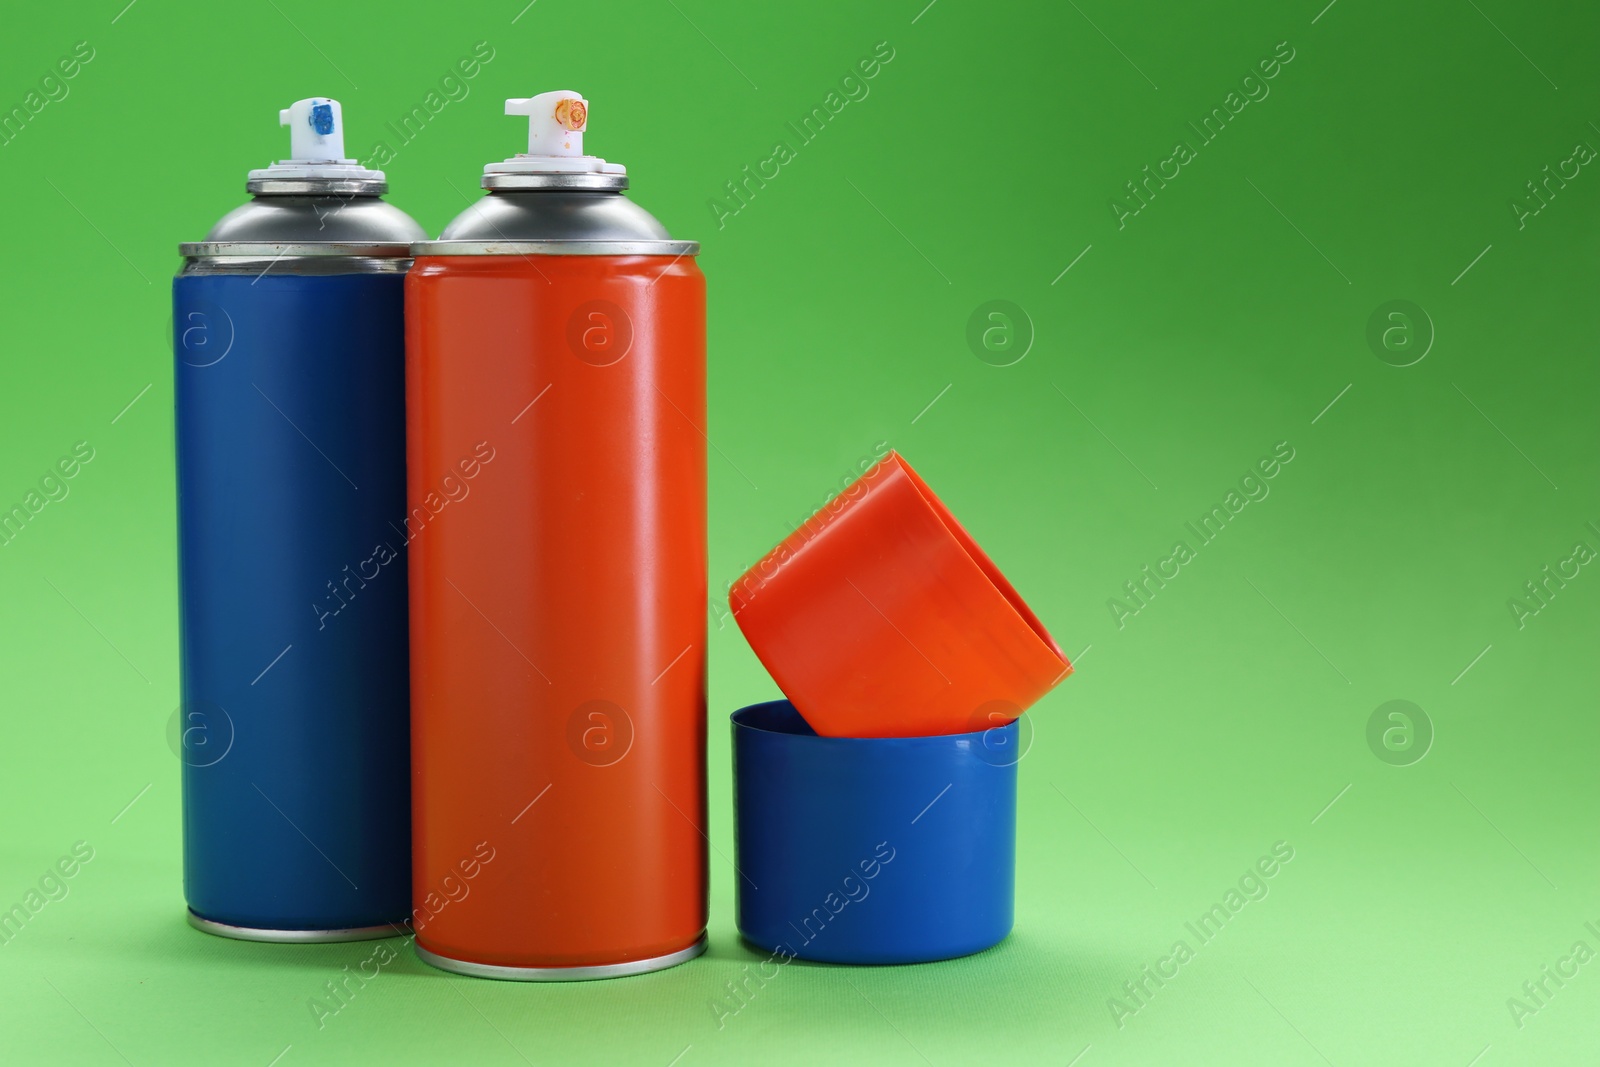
<point>293,728</point>
<point>556,409</point>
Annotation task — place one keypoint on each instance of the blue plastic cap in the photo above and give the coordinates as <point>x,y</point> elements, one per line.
<point>872,850</point>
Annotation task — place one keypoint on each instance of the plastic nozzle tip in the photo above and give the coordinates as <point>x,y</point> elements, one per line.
<point>556,121</point>
<point>316,154</point>
<point>316,131</point>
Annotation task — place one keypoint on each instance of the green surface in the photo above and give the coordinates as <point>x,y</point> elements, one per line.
<point>1182,346</point>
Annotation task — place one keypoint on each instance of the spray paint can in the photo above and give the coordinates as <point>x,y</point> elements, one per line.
<point>555,347</point>
<point>290,432</point>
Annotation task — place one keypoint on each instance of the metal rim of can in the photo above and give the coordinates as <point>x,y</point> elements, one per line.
<point>279,250</point>
<point>677,249</point>
<point>298,937</point>
<point>560,974</point>
<point>295,265</point>
<point>316,187</point>
<point>580,182</point>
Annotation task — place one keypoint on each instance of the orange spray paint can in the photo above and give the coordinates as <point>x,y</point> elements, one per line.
<point>555,368</point>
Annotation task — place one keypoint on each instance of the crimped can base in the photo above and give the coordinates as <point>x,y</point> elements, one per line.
<point>299,937</point>
<point>562,974</point>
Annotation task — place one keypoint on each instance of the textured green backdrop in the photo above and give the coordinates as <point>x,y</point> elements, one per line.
<point>1308,166</point>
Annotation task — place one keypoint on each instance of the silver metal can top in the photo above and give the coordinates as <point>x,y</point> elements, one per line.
<point>554,199</point>
<point>300,219</point>
<point>300,234</point>
<point>310,210</point>
<point>554,221</point>
<point>324,187</point>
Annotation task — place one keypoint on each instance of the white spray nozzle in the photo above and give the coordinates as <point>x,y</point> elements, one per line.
<point>556,121</point>
<point>316,131</point>
<point>316,146</point>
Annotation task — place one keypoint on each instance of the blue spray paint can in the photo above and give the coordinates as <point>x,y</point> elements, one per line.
<point>290,429</point>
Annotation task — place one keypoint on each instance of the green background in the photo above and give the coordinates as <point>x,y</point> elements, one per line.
<point>1221,319</point>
